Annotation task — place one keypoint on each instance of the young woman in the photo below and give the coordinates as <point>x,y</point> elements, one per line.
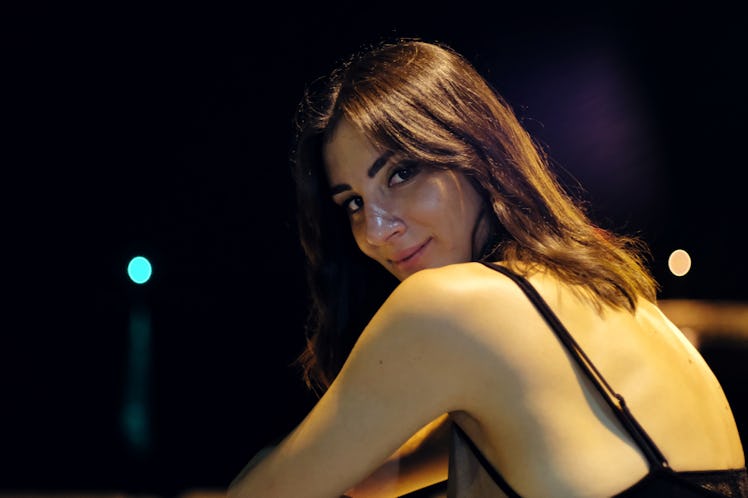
<point>470,323</point>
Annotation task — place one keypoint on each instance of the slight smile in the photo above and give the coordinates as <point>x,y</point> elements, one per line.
<point>403,263</point>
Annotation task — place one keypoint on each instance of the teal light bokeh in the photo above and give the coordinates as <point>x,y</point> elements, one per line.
<point>139,269</point>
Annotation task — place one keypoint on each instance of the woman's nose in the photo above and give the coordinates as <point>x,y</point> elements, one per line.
<point>381,225</point>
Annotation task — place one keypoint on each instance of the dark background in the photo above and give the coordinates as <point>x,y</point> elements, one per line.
<point>165,133</point>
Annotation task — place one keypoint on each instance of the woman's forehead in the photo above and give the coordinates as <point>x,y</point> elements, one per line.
<point>348,148</point>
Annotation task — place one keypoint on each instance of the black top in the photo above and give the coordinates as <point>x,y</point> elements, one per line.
<point>466,460</point>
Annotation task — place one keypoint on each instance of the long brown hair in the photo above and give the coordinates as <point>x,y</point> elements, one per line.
<point>427,102</point>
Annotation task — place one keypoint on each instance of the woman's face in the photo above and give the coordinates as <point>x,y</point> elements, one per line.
<point>403,216</point>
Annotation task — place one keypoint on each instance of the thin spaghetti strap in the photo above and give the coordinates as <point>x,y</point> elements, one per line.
<point>654,456</point>
<point>487,466</point>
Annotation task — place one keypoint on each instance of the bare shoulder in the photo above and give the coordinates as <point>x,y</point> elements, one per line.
<point>447,290</point>
<point>439,328</point>
<point>456,308</point>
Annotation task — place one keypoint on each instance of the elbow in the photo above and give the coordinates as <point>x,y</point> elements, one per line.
<point>234,491</point>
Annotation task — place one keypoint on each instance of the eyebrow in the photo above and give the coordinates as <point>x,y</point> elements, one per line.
<point>371,173</point>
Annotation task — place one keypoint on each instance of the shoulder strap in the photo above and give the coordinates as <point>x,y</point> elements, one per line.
<point>614,400</point>
<point>498,479</point>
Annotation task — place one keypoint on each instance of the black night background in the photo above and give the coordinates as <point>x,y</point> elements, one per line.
<point>165,132</point>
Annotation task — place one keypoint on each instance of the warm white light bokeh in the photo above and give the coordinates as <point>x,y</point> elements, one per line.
<point>679,262</point>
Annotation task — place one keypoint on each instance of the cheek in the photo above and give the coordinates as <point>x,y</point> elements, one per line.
<point>431,202</point>
<point>447,202</point>
<point>359,236</point>
<point>456,208</point>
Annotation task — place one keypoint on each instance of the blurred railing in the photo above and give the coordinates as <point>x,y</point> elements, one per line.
<point>701,320</point>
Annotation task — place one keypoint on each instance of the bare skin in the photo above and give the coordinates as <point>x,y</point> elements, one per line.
<point>404,216</point>
<point>458,342</point>
<point>478,350</point>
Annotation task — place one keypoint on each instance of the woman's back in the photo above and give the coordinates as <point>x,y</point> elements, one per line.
<point>540,421</point>
<point>407,161</point>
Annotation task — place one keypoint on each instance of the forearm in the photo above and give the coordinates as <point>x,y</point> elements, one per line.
<point>422,461</point>
<point>388,481</point>
<point>419,463</point>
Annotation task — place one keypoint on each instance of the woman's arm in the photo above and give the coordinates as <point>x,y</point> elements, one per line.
<point>259,456</point>
<point>400,376</point>
<point>419,463</point>
<point>422,461</point>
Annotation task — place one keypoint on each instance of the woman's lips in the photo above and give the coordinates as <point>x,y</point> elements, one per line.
<point>408,258</point>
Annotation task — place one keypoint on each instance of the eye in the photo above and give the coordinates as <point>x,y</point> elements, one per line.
<point>352,204</point>
<point>403,172</point>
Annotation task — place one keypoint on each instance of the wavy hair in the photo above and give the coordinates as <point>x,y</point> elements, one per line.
<point>425,101</point>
